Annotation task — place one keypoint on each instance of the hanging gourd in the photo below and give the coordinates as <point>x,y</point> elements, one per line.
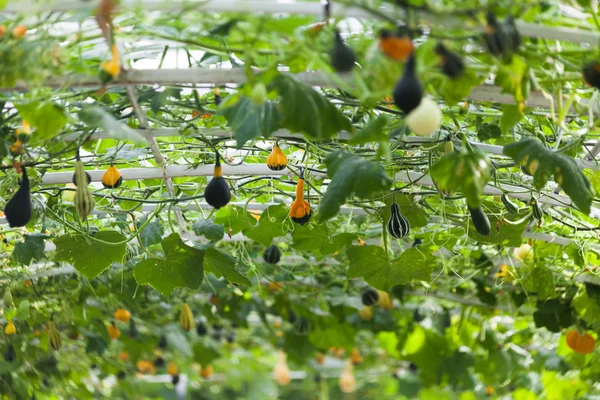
<point>583,344</point>
<point>206,372</point>
<point>281,371</point>
<point>112,178</point>
<point>10,328</point>
<point>217,94</point>
<point>536,210</point>
<point>186,318</point>
<point>451,63</point>
<point>10,354</point>
<point>511,207</point>
<point>201,329</point>
<point>54,339</point>
<point>300,210</point>
<point>501,40</point>
<point>342,56</point>
<point>84,201</point>
<point>480,221</point>
<point>366,314</point>
<point>172,369</point>
<point>384,301</point>
<point>370,297</point>
<point>18,209</point>
<point>397,226</point>
<point>408,91</point>
<point>111,69</point>
<point>426,119</point>
<point>276,161</point>
<point>113,332</point>
<point>355,356</point>
<point>591,74</point>
<point>272,255</point>
<point>395,46</point>
<point>122,315</point>
<point>217,192</point>
<point>347,381</point>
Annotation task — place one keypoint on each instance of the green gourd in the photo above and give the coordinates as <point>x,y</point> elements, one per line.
<point>480,221</point>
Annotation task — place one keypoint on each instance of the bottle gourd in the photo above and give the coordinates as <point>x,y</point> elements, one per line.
<point>18,209</point>
<point>300,210</point>
<point>451,63</point>
<point>84,201</point>
<point>408,91</point>
<point>342,56</point>
<point>186,318</point>
<point>397,226</point>
<point>217,192</point>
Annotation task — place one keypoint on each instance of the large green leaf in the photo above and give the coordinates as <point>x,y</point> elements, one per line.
<point>205,353</point>
<point>48,118</point>
<point>374,131</point>
<point>249,120</point>
<point>513,78</point>
<point>426,349</point>
<point>554,315</point>
<point>223,265</point>
<point>306,111</point>
<point>235,218</point>
<point>468,172</point>
<point>350,174</point>
<point>96,117</point>
<point>32,248</point>
<point>209,229</point>
<point>91,257</point>
<point>269,226</point>
<point>182,266</point>
<point>319,238</point>
<point>543,163</point>
<point>502,234</point>
<point>372,264</point>
<point>152,233</point>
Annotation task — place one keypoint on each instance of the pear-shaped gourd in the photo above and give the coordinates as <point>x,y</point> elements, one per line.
<point>276,161</point>
<point>300,210</point>
<point>18,209</point>
<point>408,91</point>
<point>396,47</point>
<point>84,201</point>
<point>281,371</point>
<point>342,56</point>
<point>397,226</point>
<point>426,119</point>
<point>112,178</point>
<point>217,192</point>
<point>480,221</point>
<point>370,297</point>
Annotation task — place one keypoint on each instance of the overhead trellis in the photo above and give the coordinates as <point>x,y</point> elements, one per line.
<point>208,194</point>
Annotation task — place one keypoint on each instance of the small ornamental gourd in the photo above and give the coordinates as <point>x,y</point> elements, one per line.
<point>355,356</point>
<point>218,98</point>
<point>342,56</point>
<point>583,344</point>
<point>113,332</point>
<point>186,318</point>
<point>54,339</point>
<point>159,362</point>
<point>111,69</point>
<point>397,226</point>
<point>8,298</point>
<point>536,210</point>
<point>112,178</point>
<point>172,369</point>
<point>385,301</point>
<point>10,355</point>
<point>395,46</point>
<point>426,119</point>
<point>217,192</point>
<point>480,221</point>
<point>451,63</point>
<point>511,207</point>
<point>276,161</point>
<point>591,74</point>
<point>370,297</point>
<point>18,209</point>
<point>281,371</point>
<point>122,315</point>
<point>300,210</point>
<point>84,201</point>
<point>408,91</point>
<point>366,313</point>
<point>272,255</point>
<point>206,372</point>
<point>501,40</point>
<point>201,329</point>
<point>10,328</point>
<point>162,342</point>
<point>347,380</point>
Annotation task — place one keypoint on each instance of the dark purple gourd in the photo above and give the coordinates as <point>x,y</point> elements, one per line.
<point>217,192</point>
<point>452,65</point>
<point>409,90</point>
<point>272,255</point>
<point>342,56</point>
<point>370,297</point>
<point>18,209</point>
<point>494,36</point>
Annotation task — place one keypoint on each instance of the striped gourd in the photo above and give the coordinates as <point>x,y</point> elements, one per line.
<point>510,206</point>
<point>538,213</point>
<point>84,201</point>
<point>480,221</point>
<point>398,226</point>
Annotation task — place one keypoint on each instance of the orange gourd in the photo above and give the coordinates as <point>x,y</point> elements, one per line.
<point>583,344</point>
<point>355,356</point>
<point>146,367</point>
<point>122,314</point>
<point>395,46</point>
<point>113,331</point>
<point>112,178</point>
<point>276,160</point>
<point>206,372</point>
<point>172,369</point>
<point>300,210</point>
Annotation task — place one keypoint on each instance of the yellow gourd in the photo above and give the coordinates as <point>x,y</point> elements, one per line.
<point>276,160</point>
<point>206,372</point>
<point>10,328</point>
<point>112,67</point>
<point>186,318</point>
<point>366,313</point>
<point>384,300</point>
<point>172,369</point>
<point>54,339</point>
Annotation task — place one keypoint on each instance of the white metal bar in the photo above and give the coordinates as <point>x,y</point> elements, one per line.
<point>526,29</point>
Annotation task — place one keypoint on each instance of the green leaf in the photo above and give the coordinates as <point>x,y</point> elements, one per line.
<point>374,131</point>
<point>489,131</point>
<point>48,118</point>
<point>457,89</point>
<point>372,264</point>
<point>304,110</point>
<point>426,349</point>
<point>91,257</point>
<point>554,315</point>
<point>333,334</point>
<point>160,98</point>
<point>32,248</point>
<point>152,233</point>
<point>349,175</point>
<point>538,280</point>
<point>97,117</point>
<point>223,265</point>
<point>510,116</point>
<point>181,267</point>
<point>298,347</point>
<point>512,77</point>
<point>209,229</point>
<point>319,238</point>
<point>235,218</point>
<point>468,172</point>
<point>543,163</point>
<point>205,353</point>
<point>270,225</point>
<point>249,120</point>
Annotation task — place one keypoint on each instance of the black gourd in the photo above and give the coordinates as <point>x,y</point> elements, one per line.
<point>480,221</point>
<point>512,33</point>
<point>230,337</point>
<point>162,342</point>
<point>159,362</point>
<point>370,297</point>
<point>175,379</point>
<point>217,192</point>
<point>201,329</point>
<point>408,91</point>
<point>397,226</point>
<point>494,36</point>
<point>591,74</point>
<point>87,175</point>
<point>121,375</point>
<point>302,326</point>
<point>10,354</point>
<point>133,331</point>
<point>272,255</point>
<point>18,209</point>
<point>510,206</point>
<point>452,65</point>
<point>342,56</point>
